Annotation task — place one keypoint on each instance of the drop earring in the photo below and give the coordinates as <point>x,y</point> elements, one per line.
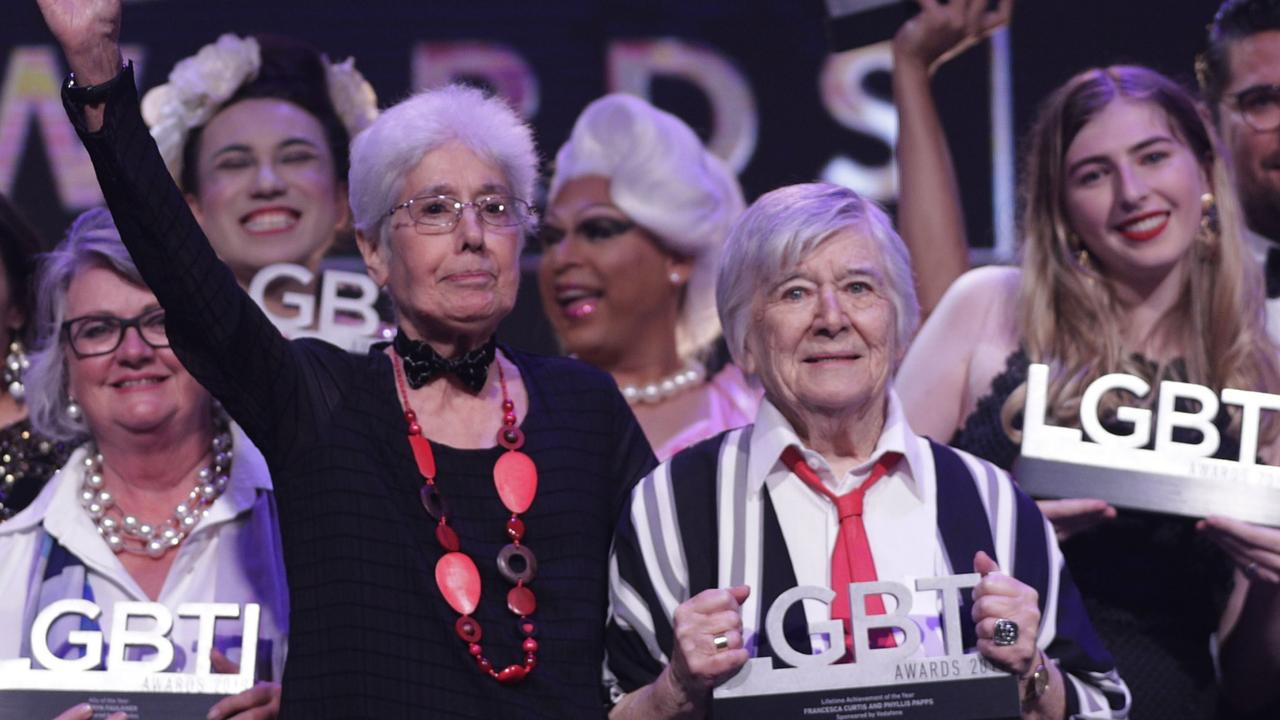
<point>74,413</point>
<point>16,364</point>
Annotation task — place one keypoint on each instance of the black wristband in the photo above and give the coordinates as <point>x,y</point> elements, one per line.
<point>92,94</point>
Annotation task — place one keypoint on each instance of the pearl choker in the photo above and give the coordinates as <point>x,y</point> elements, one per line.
<point>126,533</point>
<point>690,376</point>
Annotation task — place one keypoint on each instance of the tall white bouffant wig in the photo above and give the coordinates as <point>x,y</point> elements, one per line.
<point>663,178</point>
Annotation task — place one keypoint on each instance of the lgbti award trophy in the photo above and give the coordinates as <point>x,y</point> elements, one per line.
<point>344,312</point>
<point>138,688</point>
<point>1175,476</point>
<point>882,682</point>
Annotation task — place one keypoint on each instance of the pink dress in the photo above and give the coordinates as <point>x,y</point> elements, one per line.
<point>730,402</point>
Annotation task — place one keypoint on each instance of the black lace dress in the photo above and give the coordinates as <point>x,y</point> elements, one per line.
<point>1153,586</point>
<point>27,460</point>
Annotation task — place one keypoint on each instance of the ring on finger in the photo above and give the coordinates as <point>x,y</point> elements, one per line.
<point>1251,570</point>
<point>721,642</point>
<point>1005,633</point>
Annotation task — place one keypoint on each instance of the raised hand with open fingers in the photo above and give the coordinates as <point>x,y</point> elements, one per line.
<point>89,33</point>
<point>943,30</point>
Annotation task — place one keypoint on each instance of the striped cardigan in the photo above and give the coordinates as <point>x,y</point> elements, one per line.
<point>693,524</point>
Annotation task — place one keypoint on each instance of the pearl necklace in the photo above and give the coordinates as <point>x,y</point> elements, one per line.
<point>126,533</point>
<point>690,376</point>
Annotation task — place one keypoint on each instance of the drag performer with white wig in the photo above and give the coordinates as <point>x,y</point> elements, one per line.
<point>638,212</point>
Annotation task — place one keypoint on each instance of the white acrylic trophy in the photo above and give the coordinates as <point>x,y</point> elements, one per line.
<point>139,688</point>
<point>1181,478</point>
<point>883,682</point>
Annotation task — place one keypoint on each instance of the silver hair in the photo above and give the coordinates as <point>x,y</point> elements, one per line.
<point>663,178</point>
<point>785,225</point>
<point>384,153</point>
<point>92,241</point>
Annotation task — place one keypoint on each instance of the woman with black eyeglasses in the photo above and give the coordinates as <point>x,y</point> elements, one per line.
<point>163,499</point>
<point>446,502</point>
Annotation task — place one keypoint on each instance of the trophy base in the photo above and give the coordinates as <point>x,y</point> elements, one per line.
<point>964,687</point>
<point>1209,487</point>
<point>974,699</point>
<point>135,705</point>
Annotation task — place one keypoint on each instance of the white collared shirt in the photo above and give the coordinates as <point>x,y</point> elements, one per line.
<point>208,564</point>
<point>899,513</point>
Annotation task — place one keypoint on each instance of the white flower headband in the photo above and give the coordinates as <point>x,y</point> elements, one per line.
<point>200,84</point>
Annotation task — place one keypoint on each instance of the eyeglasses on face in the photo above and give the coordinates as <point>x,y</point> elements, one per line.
<point>1259,105</point>
<point>92,335</point>
<point>434,214</point>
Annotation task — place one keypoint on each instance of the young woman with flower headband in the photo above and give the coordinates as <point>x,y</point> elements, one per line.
<point>256,132</point>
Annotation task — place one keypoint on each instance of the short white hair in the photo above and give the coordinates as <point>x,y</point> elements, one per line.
<point>664,179</point>
<point>780,229</point>
<point>384,153</point>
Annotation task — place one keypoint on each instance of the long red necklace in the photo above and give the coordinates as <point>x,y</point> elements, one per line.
<point>516,479</point>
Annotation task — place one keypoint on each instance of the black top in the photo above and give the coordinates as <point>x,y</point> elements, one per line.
<point>371,635</point>
<point>27,461</point>
<point>1153,586</point>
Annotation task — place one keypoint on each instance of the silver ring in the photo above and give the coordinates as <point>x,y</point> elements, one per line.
<point>721,642</point>
<point>1251,570</point>
<point>1005,633</point>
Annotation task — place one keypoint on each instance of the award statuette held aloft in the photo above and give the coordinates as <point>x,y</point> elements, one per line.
<point>883,682</point>
<point>139,688</point>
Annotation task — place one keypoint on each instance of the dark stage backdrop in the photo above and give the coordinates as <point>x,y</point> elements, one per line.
<point>753,77</point>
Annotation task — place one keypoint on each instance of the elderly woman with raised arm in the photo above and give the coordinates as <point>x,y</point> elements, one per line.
<point>446,502</point>
<point>816,299</point>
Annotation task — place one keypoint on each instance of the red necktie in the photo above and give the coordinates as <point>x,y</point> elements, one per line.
<point>851,560</point>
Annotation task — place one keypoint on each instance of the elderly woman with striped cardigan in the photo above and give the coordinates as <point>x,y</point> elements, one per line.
<point>830,486</point>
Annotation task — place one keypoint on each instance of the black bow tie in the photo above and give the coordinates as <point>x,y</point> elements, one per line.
<point>422,363</point>
<point>1273,273</point>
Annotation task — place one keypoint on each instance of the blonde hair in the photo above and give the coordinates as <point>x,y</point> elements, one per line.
<point>1070,318</point>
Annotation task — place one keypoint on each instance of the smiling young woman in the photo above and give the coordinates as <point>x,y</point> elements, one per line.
<point>1133,261</point>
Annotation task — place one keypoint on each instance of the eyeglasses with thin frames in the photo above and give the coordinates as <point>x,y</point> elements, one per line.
<point>1259,106</point>
<point>437,214</point>
<point>93,335</point>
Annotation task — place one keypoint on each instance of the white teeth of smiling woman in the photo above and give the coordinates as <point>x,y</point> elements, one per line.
<point>568,296</point>
<point>266,222</point>
<point>143,381</point>
<point>1145,224</point>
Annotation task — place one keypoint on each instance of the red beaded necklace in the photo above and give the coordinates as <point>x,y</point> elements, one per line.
<point>516,479</point>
